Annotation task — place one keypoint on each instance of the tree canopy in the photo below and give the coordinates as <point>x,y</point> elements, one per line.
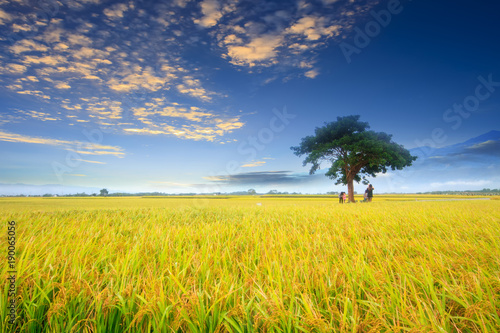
<point>353,151</point>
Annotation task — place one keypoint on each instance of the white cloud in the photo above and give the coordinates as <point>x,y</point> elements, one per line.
<point>54,60</point>
<point>28,45</point>
<point>132,61</point>
<point>211,10</point>
<point>384,175</point>
<point>157,117</point>
<point>312,73</point>
<point>76,146</point>
<point>4,17</point>
<point>460,183</point>
<point>75,39</point>
<point>44,60</point>
<point>181,3</point>
<point>314,28</point>
<point>286,37</point>
<point>36,93</point>
<point>146,79</point>
<point>88,161</point>
<point>484,144</point>
<point>43,116</point>
<point>103,108</point>
<point>62,85</point>
<point>14,69</point>
<point>116,11</point>
<point>259,51</point>
<point>21,27</point>
<point>253,164</point>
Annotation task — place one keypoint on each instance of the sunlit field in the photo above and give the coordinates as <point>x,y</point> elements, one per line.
<point>254,264</point>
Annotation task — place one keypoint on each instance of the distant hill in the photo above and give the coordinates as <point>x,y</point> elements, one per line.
<point>472,146</point>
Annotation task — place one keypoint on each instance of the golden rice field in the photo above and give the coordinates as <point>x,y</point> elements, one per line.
<point>253,264</point>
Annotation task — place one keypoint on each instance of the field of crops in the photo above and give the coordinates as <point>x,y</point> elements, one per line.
<point>253,264</point>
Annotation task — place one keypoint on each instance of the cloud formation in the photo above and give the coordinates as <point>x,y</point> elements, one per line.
<point>158,116</point>
<point>114,63</point>
<point>260,178</point>
<point>85,148</point>
<point>461,183</point>
<point>212,12</point>
<point>260,50</point>
<point>104,66</point>
<point>286,35</point>
<point>253,164</point>
<point>489,147</point>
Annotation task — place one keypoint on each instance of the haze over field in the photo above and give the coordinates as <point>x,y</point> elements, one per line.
<point>208,96</point>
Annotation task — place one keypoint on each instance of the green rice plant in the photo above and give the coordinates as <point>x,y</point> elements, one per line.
<point>286,265</point>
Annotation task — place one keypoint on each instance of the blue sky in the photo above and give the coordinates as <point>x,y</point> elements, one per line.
<point>204,96</point>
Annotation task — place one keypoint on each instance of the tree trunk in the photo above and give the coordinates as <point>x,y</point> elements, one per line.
<point>350,189</point>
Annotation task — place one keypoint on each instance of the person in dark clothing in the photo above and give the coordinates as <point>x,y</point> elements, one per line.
<point>369,193</point>
<point>341,197</point>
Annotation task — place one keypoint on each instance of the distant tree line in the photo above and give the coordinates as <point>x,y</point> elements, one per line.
<point>484,191</point>
<point>104,192</point>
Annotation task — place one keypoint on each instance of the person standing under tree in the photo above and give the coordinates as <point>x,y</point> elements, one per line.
<point>341,197</point>
<point>369,193</point>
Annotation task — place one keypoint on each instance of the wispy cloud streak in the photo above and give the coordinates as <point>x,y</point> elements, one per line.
<point>76,146</point>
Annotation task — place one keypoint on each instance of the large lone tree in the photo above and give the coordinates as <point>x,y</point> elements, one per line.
<point>354,152</point>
